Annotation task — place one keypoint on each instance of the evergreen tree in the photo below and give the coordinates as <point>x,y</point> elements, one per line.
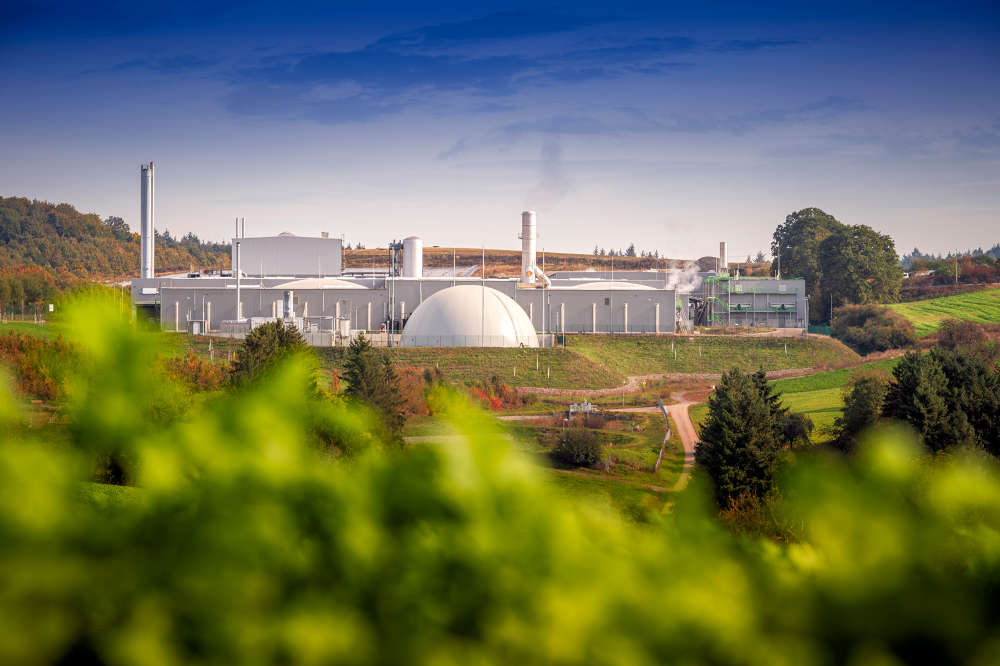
<point>742,441</point>
<point>919,395</point>
<point>862,408</point>
<point>371,379</point>
<point>263,347</point>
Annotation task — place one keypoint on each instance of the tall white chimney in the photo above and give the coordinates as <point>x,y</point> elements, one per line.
<point>724,257</point>
<point>146,183</point>
<point>528,247</point>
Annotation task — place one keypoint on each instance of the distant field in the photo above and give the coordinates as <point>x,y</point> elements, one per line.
<point>651,354</point>
<point>979,306</point>
<point>830,378</point>
<point>28,328</point>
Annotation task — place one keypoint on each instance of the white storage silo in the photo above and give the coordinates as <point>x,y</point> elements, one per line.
<point>413,257</point>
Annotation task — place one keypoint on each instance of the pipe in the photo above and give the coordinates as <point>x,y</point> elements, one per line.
<point>543,276</point>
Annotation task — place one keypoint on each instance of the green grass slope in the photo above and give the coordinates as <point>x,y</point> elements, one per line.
<point>979,306</point>
<point>653,354</point>
<point>556,368</point>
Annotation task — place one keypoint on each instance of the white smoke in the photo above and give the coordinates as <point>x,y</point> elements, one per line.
<point>684,280</point>
<point>554,183</point>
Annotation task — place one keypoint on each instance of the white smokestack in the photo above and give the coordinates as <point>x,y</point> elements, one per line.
<point>723,257</point>
<point>527,247</point>
<point>146,183</point>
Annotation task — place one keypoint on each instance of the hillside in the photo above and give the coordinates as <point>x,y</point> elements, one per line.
<point>507,263</point>
<point>55,245</point>
<point>980,306</point>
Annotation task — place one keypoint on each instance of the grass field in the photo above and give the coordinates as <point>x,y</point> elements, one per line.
<point>979,306</point>
<point>651,354</point>
<point>830,378</point>
<point>28,328</point>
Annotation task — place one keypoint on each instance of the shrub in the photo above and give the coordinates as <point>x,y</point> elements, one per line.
<point>871,328</point>
<point>796,429</point>
<point>195,372</point>
<point>961,334</point>
<point>38,364</point>
<point>578,447</point>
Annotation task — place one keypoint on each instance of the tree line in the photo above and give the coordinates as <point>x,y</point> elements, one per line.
<point>65,246</point>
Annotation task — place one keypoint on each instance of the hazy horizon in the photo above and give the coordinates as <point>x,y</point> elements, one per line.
<point>672,127</point>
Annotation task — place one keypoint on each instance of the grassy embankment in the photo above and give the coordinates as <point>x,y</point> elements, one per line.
<point>651,354</point>
<point>819,396</point>
<point>980,306</point>
<point>603,361</point>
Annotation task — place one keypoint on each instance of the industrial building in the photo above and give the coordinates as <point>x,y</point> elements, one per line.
<point>300,279</point>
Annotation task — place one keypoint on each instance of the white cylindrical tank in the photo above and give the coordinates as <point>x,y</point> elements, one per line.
<point>528,237</point>
<point>146,183</point>
<point>413,257</point>
<point>723,257</point>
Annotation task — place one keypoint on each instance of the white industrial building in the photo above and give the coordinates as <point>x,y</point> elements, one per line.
<point>300,279</point>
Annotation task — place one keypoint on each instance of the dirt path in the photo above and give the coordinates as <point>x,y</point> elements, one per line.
<point>685,428</point>
<point>633,385</point>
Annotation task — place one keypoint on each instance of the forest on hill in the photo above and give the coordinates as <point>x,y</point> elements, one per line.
<point>45,248</point>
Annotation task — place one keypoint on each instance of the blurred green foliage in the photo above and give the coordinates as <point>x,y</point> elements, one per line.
<point>247,542</point>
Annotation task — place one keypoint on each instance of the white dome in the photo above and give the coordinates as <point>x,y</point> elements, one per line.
<point>455,317</point>
<point>606,285</point>
<point>318,283</point>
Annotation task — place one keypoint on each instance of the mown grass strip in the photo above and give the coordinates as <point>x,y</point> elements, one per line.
<point>979,306</point>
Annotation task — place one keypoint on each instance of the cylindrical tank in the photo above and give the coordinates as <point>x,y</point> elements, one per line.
<point>289,306</point>
<point>723,257</point>
<point>413,257</point>
<point>528,247</point>
<point>146,183</point>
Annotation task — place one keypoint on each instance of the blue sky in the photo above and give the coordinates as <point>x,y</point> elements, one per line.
<point>672,126</point>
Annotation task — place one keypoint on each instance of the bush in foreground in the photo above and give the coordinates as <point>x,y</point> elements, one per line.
<point>244,544</point>
<point>577,447</point>
<point>871,328</point>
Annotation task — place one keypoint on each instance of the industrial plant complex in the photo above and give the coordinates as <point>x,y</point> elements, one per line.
<point>302,280</point>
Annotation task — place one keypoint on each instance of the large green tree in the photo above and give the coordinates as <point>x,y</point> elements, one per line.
<point>859,265</point>
<point>840,263</point>
<point>796,249</point>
